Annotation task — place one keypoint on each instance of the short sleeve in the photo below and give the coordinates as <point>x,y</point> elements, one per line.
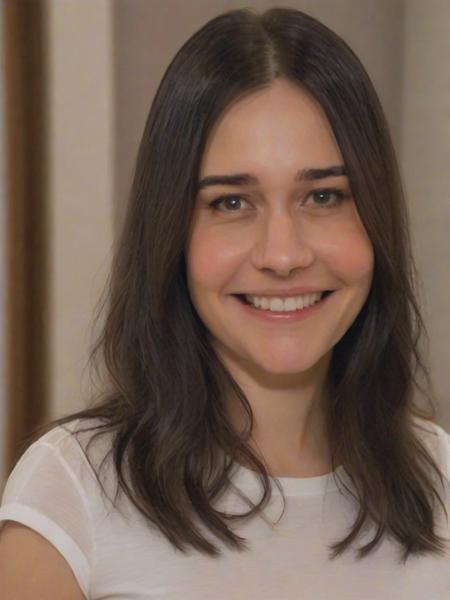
<point>47,492</point>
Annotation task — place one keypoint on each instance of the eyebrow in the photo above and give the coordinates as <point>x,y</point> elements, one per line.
<point>247,179</point>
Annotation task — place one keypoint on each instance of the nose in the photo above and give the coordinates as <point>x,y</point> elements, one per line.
<point>282,245</point>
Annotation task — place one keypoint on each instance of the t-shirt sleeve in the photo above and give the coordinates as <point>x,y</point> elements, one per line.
<point>47,492</point>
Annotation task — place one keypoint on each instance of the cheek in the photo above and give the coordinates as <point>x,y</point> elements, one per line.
<point>351,255</point>
<point>211,259</point>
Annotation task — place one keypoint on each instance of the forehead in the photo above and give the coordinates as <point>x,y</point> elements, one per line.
<point>280,126</point>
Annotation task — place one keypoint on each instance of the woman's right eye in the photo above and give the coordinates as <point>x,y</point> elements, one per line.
<point>223,203</point>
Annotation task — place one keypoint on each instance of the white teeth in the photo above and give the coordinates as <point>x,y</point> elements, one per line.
<point>290,304</point>
<point>277,304</point>
<point>284,304</point>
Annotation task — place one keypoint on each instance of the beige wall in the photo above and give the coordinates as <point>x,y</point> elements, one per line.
<point>80,148</point>
<point>425,158</point>
<point>107,59</point>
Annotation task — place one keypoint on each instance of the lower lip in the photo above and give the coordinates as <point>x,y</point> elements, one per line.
<point>283,316</point>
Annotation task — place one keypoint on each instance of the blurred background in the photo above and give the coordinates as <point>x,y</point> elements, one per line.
<point>77,81</point>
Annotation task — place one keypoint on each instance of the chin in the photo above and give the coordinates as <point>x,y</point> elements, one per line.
<point>283,368</point>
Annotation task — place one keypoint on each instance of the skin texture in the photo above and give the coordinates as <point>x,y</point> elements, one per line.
<point>277,235</point>
<point>32,569</point>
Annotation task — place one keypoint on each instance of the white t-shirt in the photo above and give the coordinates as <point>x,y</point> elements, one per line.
<point>115,554</point>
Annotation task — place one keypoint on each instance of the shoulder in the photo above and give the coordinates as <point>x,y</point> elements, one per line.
<point>429,431</point>
<point>77,433</point>
<point>74,449</point>
<point>80,441</point>
<point>58,479</point>
<point>54,499</point>
<point>437,441</point>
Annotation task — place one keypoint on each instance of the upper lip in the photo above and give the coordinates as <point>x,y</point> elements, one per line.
<point>299,291</point>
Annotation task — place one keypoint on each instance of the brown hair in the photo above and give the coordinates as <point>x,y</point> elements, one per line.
<point>165,404</point>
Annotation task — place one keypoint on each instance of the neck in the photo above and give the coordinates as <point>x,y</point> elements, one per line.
<point>288,434</point>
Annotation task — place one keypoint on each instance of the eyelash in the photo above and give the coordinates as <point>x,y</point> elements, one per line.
<point>340,197</point>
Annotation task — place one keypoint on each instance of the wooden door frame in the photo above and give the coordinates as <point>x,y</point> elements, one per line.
<point>26,348</point>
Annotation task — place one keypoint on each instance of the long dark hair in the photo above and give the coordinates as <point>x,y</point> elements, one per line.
<point>166,386</point>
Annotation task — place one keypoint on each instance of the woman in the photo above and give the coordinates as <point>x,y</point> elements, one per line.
<point>261,329</point>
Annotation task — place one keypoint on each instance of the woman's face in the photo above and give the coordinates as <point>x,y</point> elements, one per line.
<point>286,228</point>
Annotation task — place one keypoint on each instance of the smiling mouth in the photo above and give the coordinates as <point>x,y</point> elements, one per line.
<point>242,297</point>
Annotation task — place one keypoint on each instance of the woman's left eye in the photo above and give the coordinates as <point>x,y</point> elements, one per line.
<point>327,197</point>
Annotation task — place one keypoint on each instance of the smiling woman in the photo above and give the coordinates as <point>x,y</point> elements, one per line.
<point>279,234</point>
<point>261,334</point>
